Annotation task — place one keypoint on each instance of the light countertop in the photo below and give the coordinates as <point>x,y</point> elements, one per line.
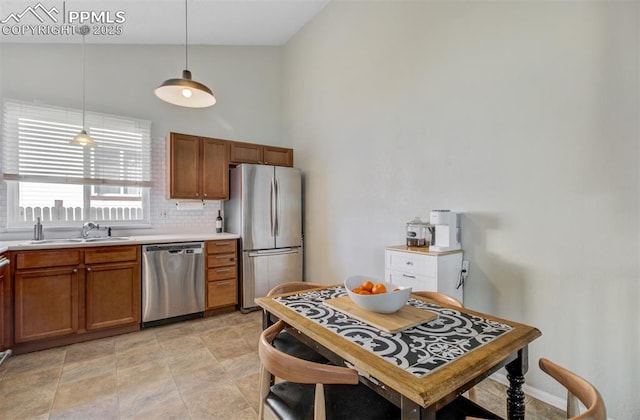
<point>27,244</point>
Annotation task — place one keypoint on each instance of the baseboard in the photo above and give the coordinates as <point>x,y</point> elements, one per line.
<point>536,393</point>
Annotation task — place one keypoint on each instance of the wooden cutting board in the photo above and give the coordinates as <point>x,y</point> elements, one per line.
<point>408,316</point>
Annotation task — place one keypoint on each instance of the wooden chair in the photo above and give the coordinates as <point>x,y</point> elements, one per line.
<point>440,298</point>
<point>578,389</point>
<point>312,390</point>
<point>286,342</point>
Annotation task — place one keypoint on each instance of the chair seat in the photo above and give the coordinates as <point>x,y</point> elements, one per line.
<point>287,343</point>
<point>291,401</point>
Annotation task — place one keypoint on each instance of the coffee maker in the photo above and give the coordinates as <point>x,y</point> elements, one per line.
<point>446,233</point>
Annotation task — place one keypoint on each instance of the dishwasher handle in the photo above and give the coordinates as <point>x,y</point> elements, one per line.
<point>192,247</point>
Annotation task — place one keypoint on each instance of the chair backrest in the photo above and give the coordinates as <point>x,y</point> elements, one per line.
<point>284,366</point>
<point>440,298</point>
<point>579,388</point>
<point>294,286</point>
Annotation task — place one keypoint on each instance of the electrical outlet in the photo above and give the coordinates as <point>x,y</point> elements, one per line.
<point>465,268</point>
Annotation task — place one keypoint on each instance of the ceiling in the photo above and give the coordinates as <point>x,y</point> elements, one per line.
<point>210,22</point>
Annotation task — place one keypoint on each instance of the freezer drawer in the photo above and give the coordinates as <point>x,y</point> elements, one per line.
<point>263,270</point>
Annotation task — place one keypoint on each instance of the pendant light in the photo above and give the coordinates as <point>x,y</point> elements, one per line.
<point>83,139</point>
<point>185,92</point>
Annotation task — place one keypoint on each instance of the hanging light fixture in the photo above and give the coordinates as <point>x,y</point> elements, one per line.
<point>185,92</point>
<point>83,139</point>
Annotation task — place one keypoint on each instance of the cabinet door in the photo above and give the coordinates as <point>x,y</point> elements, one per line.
<point>113,295</point>
<point>215,169</point>
<point>46,304</point>
<point>245,152</point>
<point>4,302</point>
<point>278,156</point>
<point>184,166</point>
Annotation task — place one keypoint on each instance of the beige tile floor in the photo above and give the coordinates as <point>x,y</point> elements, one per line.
<point>201,369</point>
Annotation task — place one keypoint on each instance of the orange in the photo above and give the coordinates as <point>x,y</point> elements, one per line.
<point>357,290</point>
<point>378,289</point>
<point>366,285</point>
<point>364,292</point>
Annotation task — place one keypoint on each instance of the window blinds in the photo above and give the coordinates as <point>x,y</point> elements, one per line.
<point>36,147</point>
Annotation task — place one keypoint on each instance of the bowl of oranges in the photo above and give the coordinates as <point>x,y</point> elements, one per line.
<point>375,295</point>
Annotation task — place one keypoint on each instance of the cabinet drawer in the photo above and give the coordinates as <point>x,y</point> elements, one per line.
<point>111,254</point>
<point>222,293</point>
<point>38,259</point>
<point>221,273</point>
<point>423,265</point>
<point>415,281</point>
<point>222,260</point>
<point>221,247</point>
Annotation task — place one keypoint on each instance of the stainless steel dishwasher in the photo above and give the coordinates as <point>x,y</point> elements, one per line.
<point>172,282</point>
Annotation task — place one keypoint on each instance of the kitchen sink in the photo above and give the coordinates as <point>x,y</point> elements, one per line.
<point>105,239</point>
<point>76,240</point>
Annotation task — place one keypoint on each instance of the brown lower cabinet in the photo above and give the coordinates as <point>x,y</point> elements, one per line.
<point>222,274</point>
<point>4,300</point>
<point>68,293</point>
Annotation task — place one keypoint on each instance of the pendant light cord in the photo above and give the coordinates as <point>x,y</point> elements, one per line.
<point>186,43</point>
<point>84,87</point>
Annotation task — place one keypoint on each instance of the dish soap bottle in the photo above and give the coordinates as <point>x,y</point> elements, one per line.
<point>219,223</point>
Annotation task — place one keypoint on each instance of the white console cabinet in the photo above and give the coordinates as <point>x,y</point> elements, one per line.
<point>423,270</point>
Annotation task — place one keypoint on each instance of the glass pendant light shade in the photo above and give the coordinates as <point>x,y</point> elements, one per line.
<point>83,139</point>
<point>185,92</point>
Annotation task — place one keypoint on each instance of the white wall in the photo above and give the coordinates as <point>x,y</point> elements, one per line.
<point>522,115</point>
<point>121,79</point>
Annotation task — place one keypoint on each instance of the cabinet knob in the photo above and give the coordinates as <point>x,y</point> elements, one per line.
<point>409,262</point>
<point>205,194</point>
<point>75,270</point>
<point>88,268</point>
<point>197,195</point>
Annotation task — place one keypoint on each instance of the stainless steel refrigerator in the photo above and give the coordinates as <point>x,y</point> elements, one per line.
<point>265,209</point>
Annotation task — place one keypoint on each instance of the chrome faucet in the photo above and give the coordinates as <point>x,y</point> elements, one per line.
<point>88,227</point>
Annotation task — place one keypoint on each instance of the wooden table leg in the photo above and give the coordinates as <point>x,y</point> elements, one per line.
<point>515,395</point>
<point>412,411</point>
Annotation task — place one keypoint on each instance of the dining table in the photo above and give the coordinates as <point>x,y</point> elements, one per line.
<point>421,368</point>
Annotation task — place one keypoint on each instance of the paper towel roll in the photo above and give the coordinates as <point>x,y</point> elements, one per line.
<point>189,205</point>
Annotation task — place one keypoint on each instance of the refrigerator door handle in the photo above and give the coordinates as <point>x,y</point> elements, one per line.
<point>277,208</point>
<point>273,206</point>
<point>278,251</point>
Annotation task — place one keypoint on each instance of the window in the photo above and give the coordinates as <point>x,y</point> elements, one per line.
<point>65,184</point>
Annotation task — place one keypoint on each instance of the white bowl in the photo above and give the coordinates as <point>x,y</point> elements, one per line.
<point>384,303</point>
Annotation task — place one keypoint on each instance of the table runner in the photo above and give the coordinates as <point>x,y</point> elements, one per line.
<point>418,350</point>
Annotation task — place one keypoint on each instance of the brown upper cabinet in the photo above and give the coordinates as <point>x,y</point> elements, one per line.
<point>198,167</point>
<point>261,154</point>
